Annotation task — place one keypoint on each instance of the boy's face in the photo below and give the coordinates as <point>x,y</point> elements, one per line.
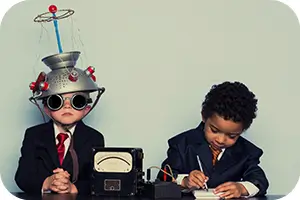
<point>67,114</point>
<point>221,133</point>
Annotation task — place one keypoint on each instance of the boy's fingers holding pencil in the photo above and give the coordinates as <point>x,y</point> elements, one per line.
<point>198,178</point>
<point>189,183</point>
<point>193,183</point>
<point>199,174</point>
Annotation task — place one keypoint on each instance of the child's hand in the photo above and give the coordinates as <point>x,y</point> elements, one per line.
<point>62,183</point>
<point>231,190</point>
<point>59,182</point>
<point>195,179</point>
<point>61,172</point>
<point>66,188</point>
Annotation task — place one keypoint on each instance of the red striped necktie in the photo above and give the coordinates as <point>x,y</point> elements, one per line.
<point>215,153</point>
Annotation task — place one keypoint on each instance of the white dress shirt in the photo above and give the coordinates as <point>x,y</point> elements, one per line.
<point>250,187</point>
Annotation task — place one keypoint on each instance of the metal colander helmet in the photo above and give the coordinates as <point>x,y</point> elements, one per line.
<point>64,77</point>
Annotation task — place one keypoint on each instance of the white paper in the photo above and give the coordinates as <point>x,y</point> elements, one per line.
<point>203,194</point>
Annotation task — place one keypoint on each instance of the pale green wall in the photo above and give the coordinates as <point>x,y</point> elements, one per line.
<point>157,60</point>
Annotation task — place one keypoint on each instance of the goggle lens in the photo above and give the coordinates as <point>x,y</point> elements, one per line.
<point>78,102</point>
<point>54,102</point>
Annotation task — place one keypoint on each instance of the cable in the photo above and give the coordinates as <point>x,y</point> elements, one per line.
<point>32,100</point>
<point>167,165</point>
<point>165,172</point>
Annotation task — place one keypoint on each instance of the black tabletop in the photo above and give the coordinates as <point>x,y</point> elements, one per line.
<point>79,197</point>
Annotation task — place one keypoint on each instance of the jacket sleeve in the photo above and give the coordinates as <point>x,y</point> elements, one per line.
<point>254,174</point>
<point>174,160</point>
<point>26,176</point>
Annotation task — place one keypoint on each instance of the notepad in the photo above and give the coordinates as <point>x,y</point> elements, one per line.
<point>203,194</point>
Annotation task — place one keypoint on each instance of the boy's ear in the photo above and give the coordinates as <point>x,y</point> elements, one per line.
<point>203,119</point>
<point>46,109</point>
<point>87,109</point>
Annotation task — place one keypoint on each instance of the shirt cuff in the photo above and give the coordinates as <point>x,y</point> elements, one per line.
<point>250,187</point>
<point>45,191</point>
<point>180,177</point>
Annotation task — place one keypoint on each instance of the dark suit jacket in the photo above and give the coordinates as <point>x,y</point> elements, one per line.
<point>238,163</point>
<point>39,157</point>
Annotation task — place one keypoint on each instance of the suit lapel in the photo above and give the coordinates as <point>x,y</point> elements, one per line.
<point>230,157</point>
<point>79,140</point>
<point>48,141</point>
<point>202,150</point>
<point>205,156</point>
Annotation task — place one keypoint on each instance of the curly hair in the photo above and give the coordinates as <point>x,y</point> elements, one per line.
<point>232,101</point>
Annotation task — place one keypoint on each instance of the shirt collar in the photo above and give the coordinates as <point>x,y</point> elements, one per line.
<point>56,130</point>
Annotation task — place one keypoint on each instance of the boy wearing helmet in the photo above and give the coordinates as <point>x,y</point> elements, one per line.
<point>56,156</point>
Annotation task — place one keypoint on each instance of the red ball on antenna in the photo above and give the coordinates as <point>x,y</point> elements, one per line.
<point>52,9</point>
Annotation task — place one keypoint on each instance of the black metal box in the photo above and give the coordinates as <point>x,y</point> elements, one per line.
<point>117,171</point>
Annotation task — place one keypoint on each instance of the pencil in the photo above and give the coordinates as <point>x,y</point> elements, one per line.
<point>200,165</point>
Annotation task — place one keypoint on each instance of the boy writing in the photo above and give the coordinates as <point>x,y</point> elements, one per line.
<point>229,161</point>
<point>56,156</point>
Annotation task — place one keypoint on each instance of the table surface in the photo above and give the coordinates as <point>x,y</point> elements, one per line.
<point>79,197</point>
